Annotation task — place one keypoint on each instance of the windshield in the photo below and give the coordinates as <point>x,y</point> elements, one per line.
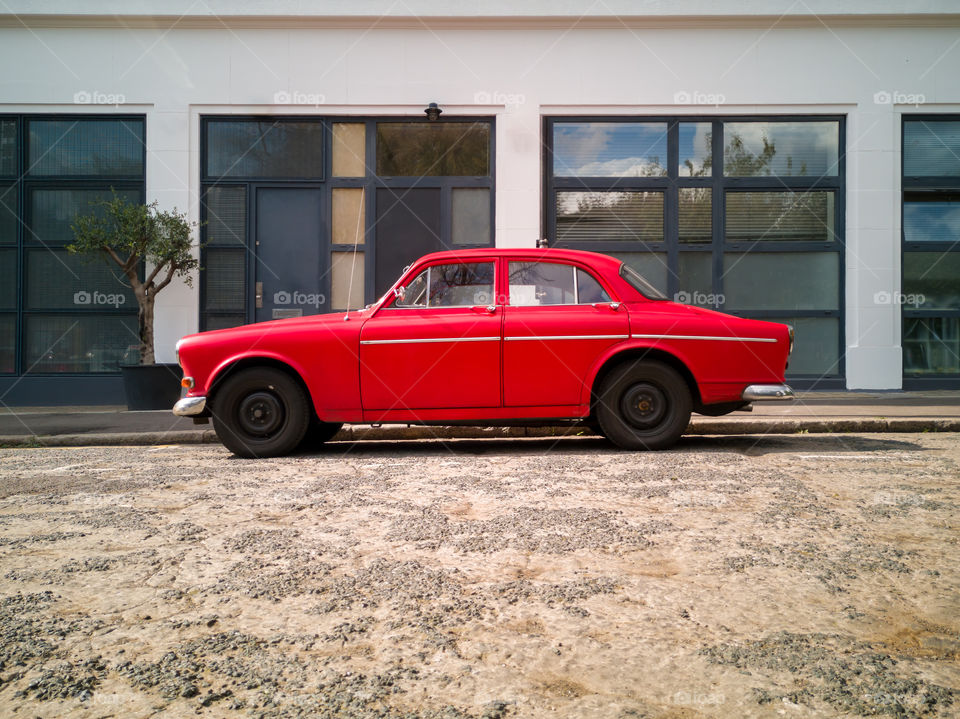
<point>640,284</point>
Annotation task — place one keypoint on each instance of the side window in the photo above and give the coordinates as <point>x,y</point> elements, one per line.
<point>454,285</point>
<point>589,290</point>
<point>549,283</point>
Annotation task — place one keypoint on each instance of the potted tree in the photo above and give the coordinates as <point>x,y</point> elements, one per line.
<point>133,236</point>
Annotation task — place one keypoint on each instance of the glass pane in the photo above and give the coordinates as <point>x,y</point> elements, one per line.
<point>349,149</point>
<point>53,211</point>
<point>779,217</point>
<point>433,148</point>
<point>86,147</point>
<point>931,345</point>
<point>224,277</point>
<point>696,280</point>
<point>222,322</point>
<point>781,280</point>
<point>652,265</point>
<point>609,217</point>
<point>269,148</point>
<point>610,149</point>
<point>931,147</point>
<point>926,219</point>
<point>347,280</point>
<point>696,204</point>
<point>8,215</point>
<point>471,216</point>
<point>696,149</point>
<point>807,149</point>
<point>8,279</point>
<point>8,146</point>
<point>349,213</point>
<point>226,215</point>
<point>541,283</point>
<point>57,280</point>
<point>931,280</point>
<point>589,290</point>
<point>816,350</point>
<point>77,343</point>
<point>8,335</point>
<point>461,285</point>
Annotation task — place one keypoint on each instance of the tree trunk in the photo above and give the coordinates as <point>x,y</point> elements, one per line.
<point>145,316</point>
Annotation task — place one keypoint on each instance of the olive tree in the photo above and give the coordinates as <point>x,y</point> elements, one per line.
<point>133,235</point>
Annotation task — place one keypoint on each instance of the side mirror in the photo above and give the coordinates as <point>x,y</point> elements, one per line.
<point>400,293</point>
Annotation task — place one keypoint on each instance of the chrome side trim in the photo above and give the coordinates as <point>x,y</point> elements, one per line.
<point>429,339</point>
<point>568,337</point>
<point>755,392</point>
<point>704,337</point>
<point>190,406</point>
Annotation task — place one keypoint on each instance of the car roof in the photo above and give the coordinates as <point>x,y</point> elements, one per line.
<point>544,254</point>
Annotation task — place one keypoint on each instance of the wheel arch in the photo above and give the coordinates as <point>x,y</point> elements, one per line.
<point>646,353</point>
<point>237,364</point>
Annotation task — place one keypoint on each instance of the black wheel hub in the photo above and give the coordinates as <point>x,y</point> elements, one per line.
<point>260,413</point>
<point>643,405</point>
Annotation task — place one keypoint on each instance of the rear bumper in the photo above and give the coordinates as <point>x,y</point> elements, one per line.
<point>190,406</point>
<point>760,392</point>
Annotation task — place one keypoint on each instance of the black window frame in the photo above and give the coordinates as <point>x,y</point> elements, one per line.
<point>328,182</point>
<point>930,186</point>
<point>671,247</point>
<point>25,184</point>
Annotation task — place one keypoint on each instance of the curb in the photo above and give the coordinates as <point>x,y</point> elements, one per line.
<point>353,433</point>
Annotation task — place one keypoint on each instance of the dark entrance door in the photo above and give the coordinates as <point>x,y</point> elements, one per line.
<point>408,227</point>
<point>289,270</point>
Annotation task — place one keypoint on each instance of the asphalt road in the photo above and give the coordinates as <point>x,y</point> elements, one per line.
<point>803,575</point>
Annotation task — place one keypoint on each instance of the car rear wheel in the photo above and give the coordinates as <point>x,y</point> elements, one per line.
<point>260,412</point>
<point>643,404</point>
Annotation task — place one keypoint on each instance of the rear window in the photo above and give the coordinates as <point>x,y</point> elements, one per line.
<point>637,281</point>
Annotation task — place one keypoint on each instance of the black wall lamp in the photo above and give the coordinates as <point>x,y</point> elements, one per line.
<point>433,112</point>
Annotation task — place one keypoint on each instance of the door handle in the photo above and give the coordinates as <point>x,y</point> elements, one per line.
<point>489,309</point>
<point>612,305</point>
<point>258,297</point>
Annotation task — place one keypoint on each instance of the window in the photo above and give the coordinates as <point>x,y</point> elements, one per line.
<point>455,285</point>
<point>930,289</point>
<point>550,283</point>
<point>411,149</point>
<point>60,312</point>
<point>264,148</point>
<point>740,214</point>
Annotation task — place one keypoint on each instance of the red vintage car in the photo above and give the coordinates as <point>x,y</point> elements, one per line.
<point>483,337</point>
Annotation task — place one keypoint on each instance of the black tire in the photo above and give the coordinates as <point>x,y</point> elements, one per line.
<point>260,412</point>
<point>318,433</point>
<point>643,404</point>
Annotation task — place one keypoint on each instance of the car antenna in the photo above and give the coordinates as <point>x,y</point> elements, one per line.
<point>353,260</point>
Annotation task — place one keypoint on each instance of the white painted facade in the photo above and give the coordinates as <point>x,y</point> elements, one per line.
<point>175,62</point>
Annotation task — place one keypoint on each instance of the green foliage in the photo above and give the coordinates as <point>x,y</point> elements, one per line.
<point>130,234</point>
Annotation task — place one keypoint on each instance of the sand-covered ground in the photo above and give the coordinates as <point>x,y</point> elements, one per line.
<point>780,576</point>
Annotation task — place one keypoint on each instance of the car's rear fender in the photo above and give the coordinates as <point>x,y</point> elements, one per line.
<point>634,351</point>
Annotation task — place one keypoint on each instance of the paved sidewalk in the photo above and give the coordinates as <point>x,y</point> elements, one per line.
<point>810,412</point>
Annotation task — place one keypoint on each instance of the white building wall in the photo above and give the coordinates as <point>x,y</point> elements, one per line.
<point>517,73</point>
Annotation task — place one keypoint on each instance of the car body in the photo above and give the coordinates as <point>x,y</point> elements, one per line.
<point>487,336</point>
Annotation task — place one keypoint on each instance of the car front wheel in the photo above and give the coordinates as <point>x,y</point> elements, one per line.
<point>643,404</point>
<point>260,412</point>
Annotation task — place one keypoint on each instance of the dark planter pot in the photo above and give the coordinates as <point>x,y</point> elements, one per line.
<point>151,386</point>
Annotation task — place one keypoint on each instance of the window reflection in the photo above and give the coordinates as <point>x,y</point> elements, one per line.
<point>609,216</point>
<point>610,149</point>
<point>808,149</point>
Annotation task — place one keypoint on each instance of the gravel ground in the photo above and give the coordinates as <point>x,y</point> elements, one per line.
<point>805,575</point>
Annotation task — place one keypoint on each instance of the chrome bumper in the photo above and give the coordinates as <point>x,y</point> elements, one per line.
<point>190,406</point>
<point>760,392</point>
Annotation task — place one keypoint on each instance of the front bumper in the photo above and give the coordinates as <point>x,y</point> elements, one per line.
<point>760,392</point>
<point>190,406</point>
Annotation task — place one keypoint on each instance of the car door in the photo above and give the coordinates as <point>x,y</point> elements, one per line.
<point>558,321</point>
<point>437,346</point>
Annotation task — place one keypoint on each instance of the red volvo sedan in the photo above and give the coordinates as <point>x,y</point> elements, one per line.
<point>484,337</point>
